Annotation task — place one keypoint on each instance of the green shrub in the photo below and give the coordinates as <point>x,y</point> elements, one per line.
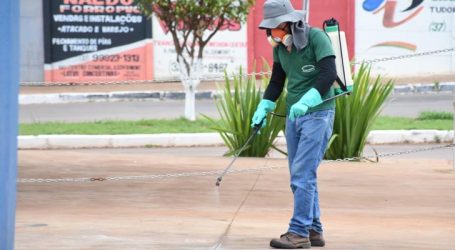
<point>432,115</point>
<point>236,106</point>
<point>356,113</point>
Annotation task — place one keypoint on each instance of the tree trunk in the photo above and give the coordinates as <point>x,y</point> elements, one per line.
<point>190,79</point>
<point>190,102</point>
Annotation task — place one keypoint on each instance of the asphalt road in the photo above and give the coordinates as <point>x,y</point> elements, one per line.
<point>397,105</point>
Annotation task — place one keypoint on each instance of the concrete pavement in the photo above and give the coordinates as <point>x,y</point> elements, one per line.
<point>395,204</point>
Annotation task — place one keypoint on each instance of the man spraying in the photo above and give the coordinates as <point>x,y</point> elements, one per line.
<point>305,57</point>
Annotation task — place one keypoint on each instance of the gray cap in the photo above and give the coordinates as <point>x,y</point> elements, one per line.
<point>279,11</point>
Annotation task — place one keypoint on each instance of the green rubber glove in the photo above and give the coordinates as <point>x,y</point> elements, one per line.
<point>339,91</point>
<point>264,107</point>
<point>310,99</point>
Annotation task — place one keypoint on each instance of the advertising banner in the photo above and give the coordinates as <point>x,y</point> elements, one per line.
<point>96,40</point>
<point>227,50</point>
<point>386,28</point>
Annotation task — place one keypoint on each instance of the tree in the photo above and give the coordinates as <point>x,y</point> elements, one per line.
<point>192,23</point>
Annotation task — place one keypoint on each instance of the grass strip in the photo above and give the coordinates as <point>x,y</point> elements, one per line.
<point>399,123</point>
<point>199,126</point>
<point>116,127</point>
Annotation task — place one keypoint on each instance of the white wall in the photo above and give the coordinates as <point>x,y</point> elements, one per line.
<point>226,50</point>
<point>431,28</point>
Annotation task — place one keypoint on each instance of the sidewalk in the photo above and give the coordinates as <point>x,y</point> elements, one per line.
<point>168,86</point>
<point>394,204</point>
<point>114,92</point>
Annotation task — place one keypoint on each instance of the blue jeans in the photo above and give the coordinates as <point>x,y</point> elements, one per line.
<point>307,138</point>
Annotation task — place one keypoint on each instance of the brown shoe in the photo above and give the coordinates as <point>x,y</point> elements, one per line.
<point>316,239</point>
<point>291,241</point>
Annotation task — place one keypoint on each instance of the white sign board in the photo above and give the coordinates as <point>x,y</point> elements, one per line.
<point>386,28</point>
<point>226,50</point>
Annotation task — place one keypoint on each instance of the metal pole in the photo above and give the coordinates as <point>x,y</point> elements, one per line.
<point>255,132</point>
<point>9,85</point>
<point>306,4</point>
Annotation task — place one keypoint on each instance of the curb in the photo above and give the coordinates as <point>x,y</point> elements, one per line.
<point>110,97</point>
<point>206,139</point>
<point>425,88</point>
<point>445,87</point>
<point>119,141</point>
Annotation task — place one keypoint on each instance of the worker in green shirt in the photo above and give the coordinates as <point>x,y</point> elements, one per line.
<point>304,56</point>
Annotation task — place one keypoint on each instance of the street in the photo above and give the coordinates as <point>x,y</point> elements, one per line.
<point>398,105</point>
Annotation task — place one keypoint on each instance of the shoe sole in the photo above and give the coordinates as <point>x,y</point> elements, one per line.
<point>317,243</point>
<point>278,244</point>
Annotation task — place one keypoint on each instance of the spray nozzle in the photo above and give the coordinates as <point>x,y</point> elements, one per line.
<point>331,22</point>
<point>331,25</point>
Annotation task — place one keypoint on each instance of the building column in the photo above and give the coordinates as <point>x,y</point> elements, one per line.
<point>9,85</point>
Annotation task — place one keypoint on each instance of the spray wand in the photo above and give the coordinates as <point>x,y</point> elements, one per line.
<point>256,129</point>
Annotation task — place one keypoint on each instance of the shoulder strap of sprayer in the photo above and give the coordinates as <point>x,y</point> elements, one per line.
<point>341,83</point>
<point>331,22</point>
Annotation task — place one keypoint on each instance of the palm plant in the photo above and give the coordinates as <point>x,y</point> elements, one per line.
<point>236,106</point>
<point>356,113</point>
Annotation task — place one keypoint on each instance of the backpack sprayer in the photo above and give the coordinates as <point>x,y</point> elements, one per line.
<point>339,45</point>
